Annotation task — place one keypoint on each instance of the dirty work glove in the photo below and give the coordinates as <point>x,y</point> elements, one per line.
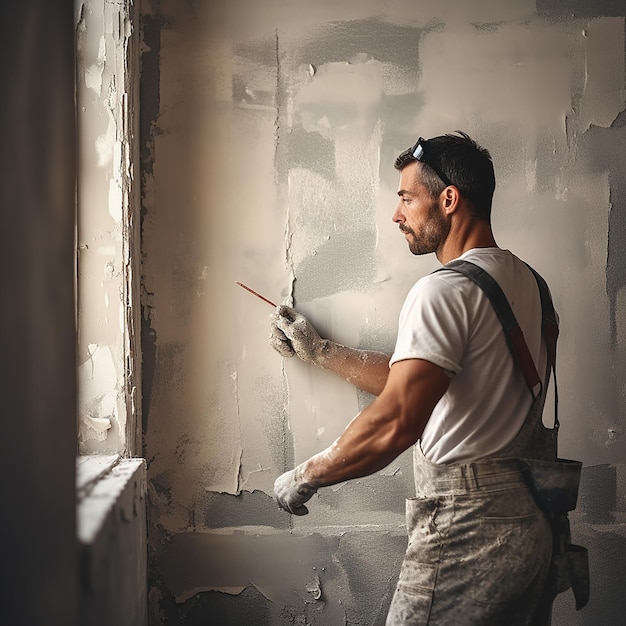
<point>291,491</point>
<point>291,333</point>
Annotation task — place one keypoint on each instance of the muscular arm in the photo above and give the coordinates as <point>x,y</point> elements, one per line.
<point>365,369</point>
<point>390,425</point>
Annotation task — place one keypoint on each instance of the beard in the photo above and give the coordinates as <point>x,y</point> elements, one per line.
<point>431,235</point>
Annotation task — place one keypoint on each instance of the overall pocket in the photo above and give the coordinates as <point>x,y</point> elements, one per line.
<point>511,553</point>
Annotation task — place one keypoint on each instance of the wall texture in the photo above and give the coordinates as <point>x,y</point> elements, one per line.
<point>269,132</point>
<point>107,194</point>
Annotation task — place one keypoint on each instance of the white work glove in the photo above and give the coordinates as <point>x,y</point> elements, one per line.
<point>291,491</point>
<point>291,333</point>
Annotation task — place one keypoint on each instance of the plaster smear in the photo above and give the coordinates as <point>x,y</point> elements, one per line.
<point>247,400</point>
<point>500,73</point>
<point>331,217</point>
<point>332,231</point>
<point>604,94</point>
<point>216,409</point>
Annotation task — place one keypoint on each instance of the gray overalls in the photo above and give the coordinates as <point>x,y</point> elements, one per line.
<point>480,548</point>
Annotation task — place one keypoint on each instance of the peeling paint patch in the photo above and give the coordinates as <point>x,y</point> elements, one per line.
<point>93,73</point>
<point>231,591</point>
<point>97,393</point>
<point>107,199</point>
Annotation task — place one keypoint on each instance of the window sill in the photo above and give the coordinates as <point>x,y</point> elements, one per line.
<point>105,483</point>
<point>112,538</point>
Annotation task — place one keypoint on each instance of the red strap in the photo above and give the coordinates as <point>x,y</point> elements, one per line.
<point>525,360</point>
<point>512,331</point>
<point>551,334</point>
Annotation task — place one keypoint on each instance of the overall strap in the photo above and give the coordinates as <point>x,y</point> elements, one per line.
<point>550,329</point>
<point>550,325</point>
<point>512,331</point>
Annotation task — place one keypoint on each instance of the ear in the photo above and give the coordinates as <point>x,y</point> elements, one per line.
<point>450,199</point>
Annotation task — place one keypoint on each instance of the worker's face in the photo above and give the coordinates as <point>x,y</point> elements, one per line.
<point>418,215</point>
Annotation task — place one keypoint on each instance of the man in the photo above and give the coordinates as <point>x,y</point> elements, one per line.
<point>479,546</point>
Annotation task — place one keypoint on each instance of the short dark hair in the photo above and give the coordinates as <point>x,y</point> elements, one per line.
<point>466,164</point>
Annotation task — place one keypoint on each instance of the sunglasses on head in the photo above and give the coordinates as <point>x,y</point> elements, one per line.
<point>418,151</point>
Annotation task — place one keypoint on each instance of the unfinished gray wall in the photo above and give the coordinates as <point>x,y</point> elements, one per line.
<point>269,131</point>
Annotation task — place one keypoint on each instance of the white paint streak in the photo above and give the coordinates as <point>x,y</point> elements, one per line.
<point>530,170</point>
<point>116,200</point>
<point>104,145</point>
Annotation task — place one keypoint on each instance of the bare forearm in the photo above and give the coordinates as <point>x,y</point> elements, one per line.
<point>390,425</point>
<point>366,369</point>
<point>369,444</point>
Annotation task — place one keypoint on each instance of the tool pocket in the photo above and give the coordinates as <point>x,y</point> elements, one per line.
<point>554,483</point>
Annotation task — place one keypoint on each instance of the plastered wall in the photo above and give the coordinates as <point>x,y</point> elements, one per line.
<point>268,134</point>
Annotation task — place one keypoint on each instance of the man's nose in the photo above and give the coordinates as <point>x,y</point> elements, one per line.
<point>397,216</point>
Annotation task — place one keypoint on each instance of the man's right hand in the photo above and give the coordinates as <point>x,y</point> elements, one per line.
<point>291,491</point>
<point>291,333</point>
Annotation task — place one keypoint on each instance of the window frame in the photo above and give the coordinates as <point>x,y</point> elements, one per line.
<point>108,314</point>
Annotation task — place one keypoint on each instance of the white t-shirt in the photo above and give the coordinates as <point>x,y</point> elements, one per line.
<point>447,319</point>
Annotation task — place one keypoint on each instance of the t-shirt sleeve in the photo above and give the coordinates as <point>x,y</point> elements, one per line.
<point>433,324</point>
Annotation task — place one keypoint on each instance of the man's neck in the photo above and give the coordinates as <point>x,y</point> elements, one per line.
<point>477,234</point>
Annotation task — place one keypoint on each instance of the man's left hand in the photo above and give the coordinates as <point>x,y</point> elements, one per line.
<point>291,491</point>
